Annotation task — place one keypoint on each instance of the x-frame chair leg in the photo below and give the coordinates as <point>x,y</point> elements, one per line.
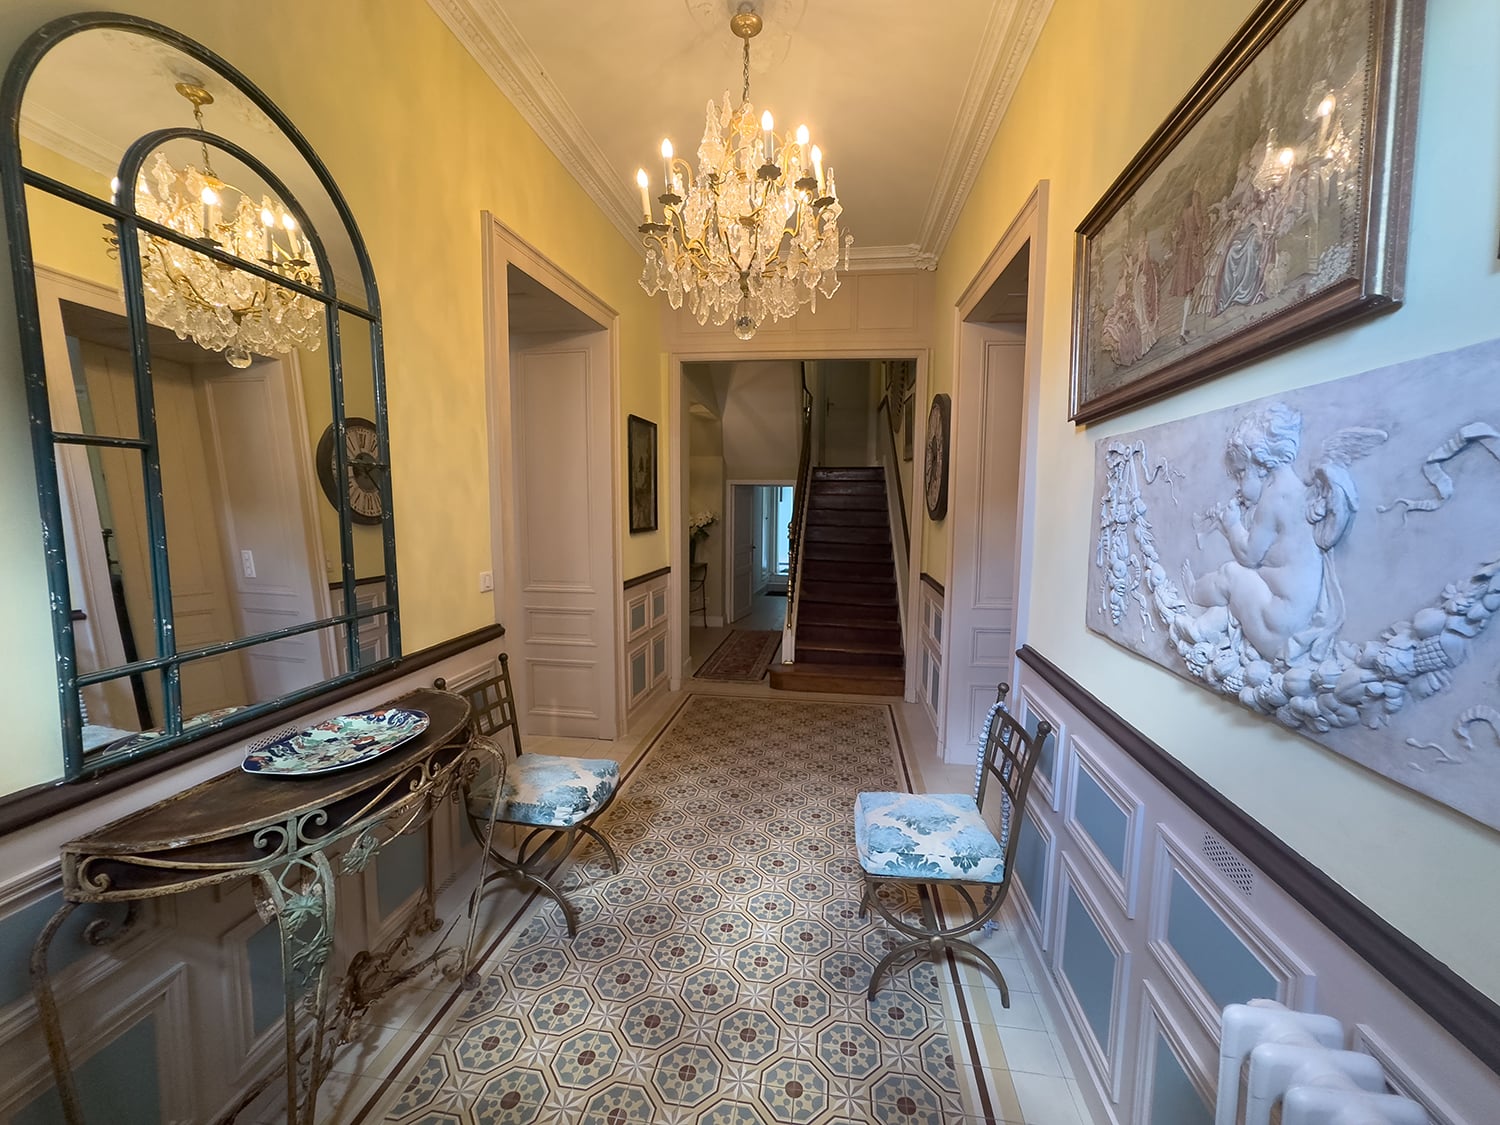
<point>933,937</point>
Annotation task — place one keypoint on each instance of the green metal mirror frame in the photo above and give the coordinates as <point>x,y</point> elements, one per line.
<point>15,178</point>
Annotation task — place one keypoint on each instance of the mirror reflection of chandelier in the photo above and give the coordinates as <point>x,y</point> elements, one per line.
<point>755,234</point>
<point>219,307</point>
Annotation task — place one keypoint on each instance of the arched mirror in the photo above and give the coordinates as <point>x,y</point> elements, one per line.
<point>201,337</point>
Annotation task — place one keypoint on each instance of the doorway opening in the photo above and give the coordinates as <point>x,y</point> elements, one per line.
<point>973,626</point>
<point>553,401</point>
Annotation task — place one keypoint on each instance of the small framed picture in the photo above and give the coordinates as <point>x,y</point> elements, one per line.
<point>640,442</point>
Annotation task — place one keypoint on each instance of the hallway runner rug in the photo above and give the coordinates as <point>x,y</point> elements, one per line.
<point>742,657</point>
<point>720,978</point>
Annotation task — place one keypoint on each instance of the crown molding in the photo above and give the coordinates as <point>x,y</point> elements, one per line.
<point>493,41</point>
<point>53,131</point>
<point>1009,37</point>
<point>868,259</point>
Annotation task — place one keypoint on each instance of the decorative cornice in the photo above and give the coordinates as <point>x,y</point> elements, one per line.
<point>495,44</point>
<point>1009,36</point>
<point>55,133</point>
<point>1008,40</point>
<point>909,257</point>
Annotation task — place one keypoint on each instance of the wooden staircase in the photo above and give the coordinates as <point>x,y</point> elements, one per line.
<point>848,620</point>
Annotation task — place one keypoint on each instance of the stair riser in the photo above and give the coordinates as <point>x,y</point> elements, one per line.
<point>842,552</point>
<point>847,517</point>
<point>806,678</point>
<point>839,613</point>
<point>861,489</point>
<point>850,593</point>
<point>819,632</point>
<point>859,502</point>
<point>846,570</point>
<point>870,536</point>
<point>813,655</point>
<point>867,473</point>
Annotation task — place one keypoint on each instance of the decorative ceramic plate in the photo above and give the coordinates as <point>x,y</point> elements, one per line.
<point>335,744</point>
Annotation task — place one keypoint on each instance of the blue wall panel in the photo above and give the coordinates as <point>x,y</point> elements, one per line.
<point>117,1084</point>
<point>1226,969</point>
<point>1104,821</point>
<point>1031,863</point>
<point>267,999</point>
<point>1089,963</point>
<point>400,870</point>
<point>18,932</point>
<point>1174,1098</point>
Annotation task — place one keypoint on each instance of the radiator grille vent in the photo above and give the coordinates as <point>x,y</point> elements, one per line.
<point>1239,873</point>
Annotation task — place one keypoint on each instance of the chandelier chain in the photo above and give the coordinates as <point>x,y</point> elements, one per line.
<point>745,93</point>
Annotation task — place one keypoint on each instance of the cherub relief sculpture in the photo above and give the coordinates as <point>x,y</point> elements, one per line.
<point>1280,528</point>
<point>1266,626</point>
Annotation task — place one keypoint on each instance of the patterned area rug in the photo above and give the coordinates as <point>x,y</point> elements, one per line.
<point>720,978</point>
<point>744,655</point>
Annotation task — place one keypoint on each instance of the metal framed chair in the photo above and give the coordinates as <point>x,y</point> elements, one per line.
<point>698,591</point>
<point>553,798</point>
<point>929,841</point>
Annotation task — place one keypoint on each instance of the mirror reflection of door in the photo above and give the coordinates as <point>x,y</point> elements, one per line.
<point>244,553</point>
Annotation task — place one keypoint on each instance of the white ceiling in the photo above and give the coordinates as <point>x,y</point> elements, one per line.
<point>904,98</point>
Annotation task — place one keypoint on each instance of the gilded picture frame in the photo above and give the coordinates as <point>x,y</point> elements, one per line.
<point>640,447</point>
<point>1270,206</point>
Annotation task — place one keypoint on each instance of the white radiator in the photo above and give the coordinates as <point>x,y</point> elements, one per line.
<point>1270,1056</point>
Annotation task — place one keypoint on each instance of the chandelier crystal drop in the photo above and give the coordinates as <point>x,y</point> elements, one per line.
<point>221,308</point>
<point>754,234</point>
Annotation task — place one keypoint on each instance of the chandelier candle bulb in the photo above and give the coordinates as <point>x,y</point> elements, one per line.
<point>644,182</point>
<point>666,159</point>
<point>766,125</point>
<point>817,155</point>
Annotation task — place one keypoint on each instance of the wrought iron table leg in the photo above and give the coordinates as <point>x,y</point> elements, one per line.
<point>46,1003</point>
<point>299,896</point>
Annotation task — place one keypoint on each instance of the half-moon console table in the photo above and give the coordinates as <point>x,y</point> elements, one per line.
<point>283,833</point>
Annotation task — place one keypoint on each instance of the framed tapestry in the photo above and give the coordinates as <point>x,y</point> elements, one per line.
<point>1270,205</point>
<point>640,446</point>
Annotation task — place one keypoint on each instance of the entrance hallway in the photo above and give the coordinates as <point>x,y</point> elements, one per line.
<point>767,611</point>
<point>435,1054</point>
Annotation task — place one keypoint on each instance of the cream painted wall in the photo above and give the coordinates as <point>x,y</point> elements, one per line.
<point>762,430</point>
<point>1103,76</point>
<point>421,142</point>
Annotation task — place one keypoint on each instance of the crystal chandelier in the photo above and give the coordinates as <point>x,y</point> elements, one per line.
<point>219,307</point>
<point>755,234</point>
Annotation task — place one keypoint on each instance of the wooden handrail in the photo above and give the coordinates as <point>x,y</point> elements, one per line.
<point>800,496</point>
<point>890,430</point>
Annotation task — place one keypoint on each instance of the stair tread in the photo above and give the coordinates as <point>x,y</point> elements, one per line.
<point>851,644</point>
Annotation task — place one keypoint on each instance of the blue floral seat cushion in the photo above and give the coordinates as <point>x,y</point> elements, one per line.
<point>548,791</point>
<point>926,836</point>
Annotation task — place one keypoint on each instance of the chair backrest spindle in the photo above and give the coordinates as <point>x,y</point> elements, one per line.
<point>1010,756</point>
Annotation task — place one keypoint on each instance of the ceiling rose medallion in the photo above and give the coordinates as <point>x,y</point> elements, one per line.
<point>754,234</point>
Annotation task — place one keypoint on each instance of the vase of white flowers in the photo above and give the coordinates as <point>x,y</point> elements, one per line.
<point>698,525</point>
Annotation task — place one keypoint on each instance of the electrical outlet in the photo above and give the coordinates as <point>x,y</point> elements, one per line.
<point>247,563</point>
<point>486,581</point>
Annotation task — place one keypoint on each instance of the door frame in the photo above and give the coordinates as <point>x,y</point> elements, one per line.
<point>729,485</point>
<point>503,248</point>
<point>1027,229</point>
<point>678,653</point>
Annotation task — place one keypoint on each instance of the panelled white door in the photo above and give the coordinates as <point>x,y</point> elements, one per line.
<point>560,424</point>
<point>982,518</point>
<point>742,549</point>
<point>262,461</point>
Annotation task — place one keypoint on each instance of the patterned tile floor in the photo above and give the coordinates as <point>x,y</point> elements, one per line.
<point>719,979</point>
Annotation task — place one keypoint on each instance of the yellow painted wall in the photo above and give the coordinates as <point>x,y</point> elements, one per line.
<point>420,141</point>
<point>1103,76</point>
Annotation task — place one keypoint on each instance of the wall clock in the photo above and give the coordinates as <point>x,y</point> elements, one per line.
<point>362,452</point>
<point>935,469</point>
